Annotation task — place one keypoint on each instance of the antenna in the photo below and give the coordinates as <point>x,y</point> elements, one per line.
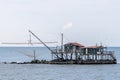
<point>96,44</point>
<point>101,44</point>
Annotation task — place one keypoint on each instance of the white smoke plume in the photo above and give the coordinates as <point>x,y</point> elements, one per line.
<point>67,26</point>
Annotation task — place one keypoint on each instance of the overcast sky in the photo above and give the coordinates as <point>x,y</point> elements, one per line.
<point>85,21</point>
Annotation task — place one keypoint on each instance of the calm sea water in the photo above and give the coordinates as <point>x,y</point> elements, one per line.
<point>21,54</point>
<point>52,72</point>
<point>59,72</point>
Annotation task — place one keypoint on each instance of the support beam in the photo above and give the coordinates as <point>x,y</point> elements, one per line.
<point>42,42</point>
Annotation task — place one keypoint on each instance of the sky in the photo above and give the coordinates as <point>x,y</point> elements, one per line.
<point>88,22</point>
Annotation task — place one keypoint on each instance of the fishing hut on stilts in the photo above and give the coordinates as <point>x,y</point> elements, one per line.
<point>76,53</point>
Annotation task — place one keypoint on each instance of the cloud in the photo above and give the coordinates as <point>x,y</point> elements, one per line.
<point>67,26</point>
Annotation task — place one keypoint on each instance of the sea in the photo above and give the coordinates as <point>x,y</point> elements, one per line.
<point>52,71</point>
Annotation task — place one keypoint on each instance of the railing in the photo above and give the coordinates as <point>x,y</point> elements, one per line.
<point>111,53</point>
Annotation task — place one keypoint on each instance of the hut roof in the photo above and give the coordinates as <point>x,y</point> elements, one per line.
<point>93,47</point>
<point>75,44</point>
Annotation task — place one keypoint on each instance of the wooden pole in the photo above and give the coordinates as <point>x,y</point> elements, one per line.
<point>42,42</point>
<point>62,45</point>
<point>34,56</point>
